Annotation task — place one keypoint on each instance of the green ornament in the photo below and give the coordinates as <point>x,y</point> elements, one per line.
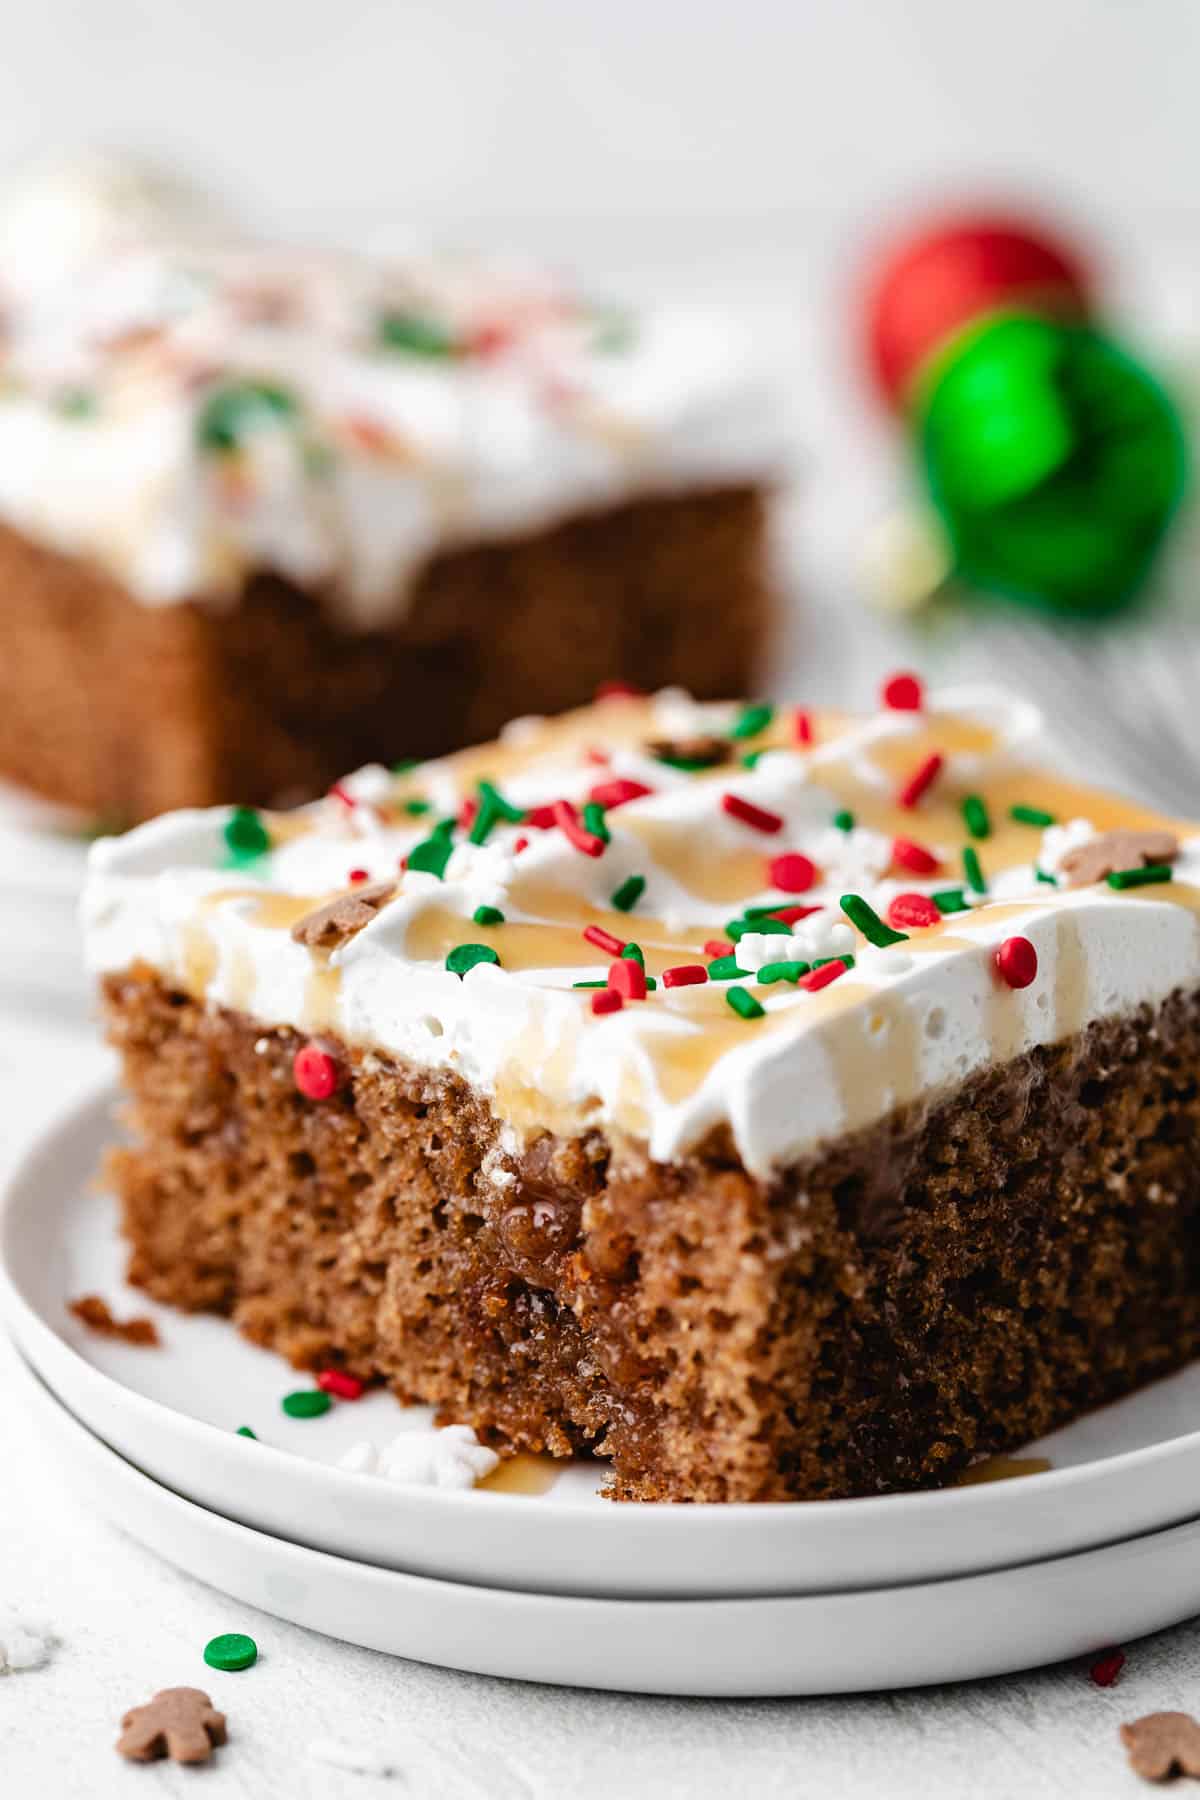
<point>1055,461</point>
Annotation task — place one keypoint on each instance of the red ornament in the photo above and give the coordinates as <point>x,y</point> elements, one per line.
<point>315,1072</point>
<point>933,284</point>
<point>914,857</point>
<point>912,909</point>
<point>337,1382</point>
<point>1016,962</point>
<point>684,975</point>
<point>903,693</point>
<point>791,874</point>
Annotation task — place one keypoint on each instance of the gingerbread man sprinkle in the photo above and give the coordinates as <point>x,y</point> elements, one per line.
<point>181,1723</point>
<point>1163,1744</point>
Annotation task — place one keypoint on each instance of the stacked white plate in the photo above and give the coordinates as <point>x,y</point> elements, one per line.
<point>548,1581</point>
<point>42,856</point>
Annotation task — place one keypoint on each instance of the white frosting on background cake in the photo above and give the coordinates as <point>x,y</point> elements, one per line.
<point>906,1021</point>
<point>184,406</point>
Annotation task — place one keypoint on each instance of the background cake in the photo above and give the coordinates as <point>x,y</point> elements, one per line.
<point>266,514</point>
<point>780,1103</point>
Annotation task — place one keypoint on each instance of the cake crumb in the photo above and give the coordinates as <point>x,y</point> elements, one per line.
<point>1162,1745</point>
<point>97,1315</point>
<point>24,1643</point>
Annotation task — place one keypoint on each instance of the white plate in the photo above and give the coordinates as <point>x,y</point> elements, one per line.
<point>809,1644</point>
<point>174,1412</point>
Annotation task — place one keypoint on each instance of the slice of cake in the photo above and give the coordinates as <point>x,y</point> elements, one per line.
<point>266,513</point>
<point>779,1104</point>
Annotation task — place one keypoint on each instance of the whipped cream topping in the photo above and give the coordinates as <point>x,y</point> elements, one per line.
<point>693,845</point>
<point>184,407</point>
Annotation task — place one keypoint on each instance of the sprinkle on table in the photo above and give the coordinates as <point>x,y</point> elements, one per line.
<point>757,817</point>
<point>820,977</point>
<point>626,897</point>
<point>1143,877</point>
<point>903,692</point>
<point>1016,962</point>
<point>752,722</point>
<point>912,909</point>
<point>247,1432</point>
<point>863,915</point>
<point>1106,1668</point>
<point>487,915</point>
<point>607,1000</point>
<point>781,971</point>
<point>975,816</point>
<point>743,1003</point>
<point>603,940</point>
<point>973,871</point>
<point>913,857</point>
<point>950,900</point>
<point>315,1072</point>
<point>306,1403</point>
<point>793,873</point>
<point>245,834</point>
<point>464,957</point>
<point>1031,815</point>
<point>802,725</point>
<point>231,1651</point>
<point>341,1384</point>
<point>588,843</point>
<point>921,780</point>
<point>684,975</point>
<point>618,792</point>
<point>843,820</point>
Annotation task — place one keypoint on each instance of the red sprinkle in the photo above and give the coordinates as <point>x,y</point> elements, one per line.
<point>357,875</point>
<point>912,909</point>
<point>467,813</point>
<point>718,947</point>
<point>1106,1668</point>
<point>603,940</point>
<point>338,792</point>
<point>627,978</point>
<point>756,816</point>
<point>802,726</point>
<point>522,843</point>
<point>315,1072</point>
<point>618,690</point>
<point>816,979</point>
<point>618,793</point>
<point>606,1000</point>
<point>791,874</point>
<point>574,830</point>
<point>1016,962</point>
<point>914,857</point>
<point>542,817</point>
<point>594,754</point>
<point>920,779</point>
<point>903,692</point>
<point>791,914</point>
<point>336,1381</point>
<point>684,975</point>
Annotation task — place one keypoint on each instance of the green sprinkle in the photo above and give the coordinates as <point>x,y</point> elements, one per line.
<point>493,807</point>
<point>844,820</point>
<point>725,968</point>
<point>232,1650</point>
<point>237,409</point>
<point>404,765</point>
<point>469,956</point>
<point>414,334</point>
<point>431,856</point>
<point>629,893</point>
<point>76,403</point>
<point>752,721</point>
<point>1030,815</point>
<point>445,828</point>
<point>589,984</point>
<point>245,834</point>
<point>1145,877</point>
<point>688,765</point>
<point>633,953</point>
<point>651,984</point>
<point>975,815</point>
<point>245,1431</point>
<point>762,922</point>
<point>593,821</point>
<point>416,809</point>
<point>868,921</point>
<point>950,900</point>
<point>743,1004</point>
<point>1045,875</point>
<point>972,870</point>
<point>782,971</point>
<point>488,915</point>
<point>845,959</point>
<point>752,758</point>
<point>306,1403</point>
<point>612,330</point>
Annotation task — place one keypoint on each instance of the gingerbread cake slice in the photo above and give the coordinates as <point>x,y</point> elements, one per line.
<point>258,505</point>
<point>776,1103</point>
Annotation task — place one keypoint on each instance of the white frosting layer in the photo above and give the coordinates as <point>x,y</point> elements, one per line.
<point>184,410</point>
<point>906,1021</point>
